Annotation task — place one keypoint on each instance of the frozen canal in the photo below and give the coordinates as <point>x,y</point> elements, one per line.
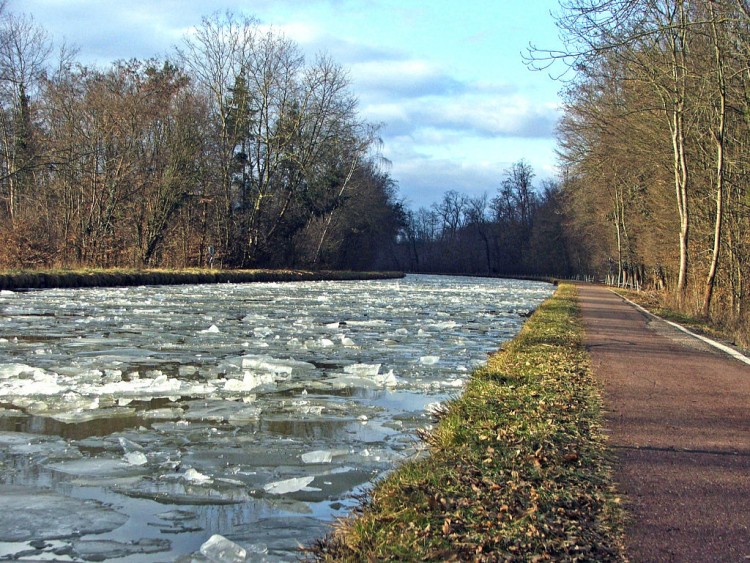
<point>135,423</point>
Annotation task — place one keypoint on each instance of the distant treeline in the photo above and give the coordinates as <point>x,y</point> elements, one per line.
<point>517,231</point>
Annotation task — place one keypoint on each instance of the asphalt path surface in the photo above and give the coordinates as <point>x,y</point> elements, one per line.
<point>678,418</point>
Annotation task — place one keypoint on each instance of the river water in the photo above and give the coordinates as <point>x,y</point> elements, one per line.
<point>137,422</point>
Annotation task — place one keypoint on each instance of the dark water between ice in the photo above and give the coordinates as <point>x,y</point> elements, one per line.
<point>135,423</point>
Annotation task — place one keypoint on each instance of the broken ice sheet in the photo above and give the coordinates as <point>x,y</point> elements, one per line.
<point>244,408</point>
<point>101,550</point>
<point>286,486</point>
<point>98,468</point>
<point>221,550</point>
<point>318,456</point>
<point>37,514</point>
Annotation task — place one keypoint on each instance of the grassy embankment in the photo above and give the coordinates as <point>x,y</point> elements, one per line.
<point>36,279</point>
<point>518,467</point>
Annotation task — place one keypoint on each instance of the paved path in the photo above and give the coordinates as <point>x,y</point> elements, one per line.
<point>678,414</point>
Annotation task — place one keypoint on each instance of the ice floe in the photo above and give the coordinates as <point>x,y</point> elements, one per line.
<point>289,485</point>
<point>262,407</point>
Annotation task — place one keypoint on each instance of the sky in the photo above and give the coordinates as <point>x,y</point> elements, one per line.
<point>445,78</point>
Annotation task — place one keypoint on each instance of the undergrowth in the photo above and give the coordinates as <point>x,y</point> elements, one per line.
<point>517,471</point>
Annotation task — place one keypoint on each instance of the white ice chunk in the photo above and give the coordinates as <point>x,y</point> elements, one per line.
<point>288,485</point>
<point>195,476</point>
<point>325,342</point>
<point>262,331</point>
<point>363,370</point>
<point>213,329</point>
<point>135,458</point>
<point>274,365</point>
<point>445,325</point>
<point>95,467</point>
<point>429,360</point>
<point>386,379</point>
<point>348,342</point>
<point>163,414</point>
<point>129,445</point>
<point>318,456</point>
<point>249,382</point>
<point>184,371</point>
<point>219,549</point>
<point>372,323</point>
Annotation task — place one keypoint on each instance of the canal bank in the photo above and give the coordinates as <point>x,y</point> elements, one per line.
<point>48,279</point>
<point>519,466</point>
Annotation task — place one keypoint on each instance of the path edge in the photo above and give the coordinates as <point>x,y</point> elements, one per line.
<point>718,345</point>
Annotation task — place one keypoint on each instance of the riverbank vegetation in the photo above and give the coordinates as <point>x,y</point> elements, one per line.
<point>517,468</point>
<point>654,146</point>
<point>234,152</point>
<point>20,280</point>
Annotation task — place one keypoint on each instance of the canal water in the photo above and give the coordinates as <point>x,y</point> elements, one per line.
<point>136,423</point>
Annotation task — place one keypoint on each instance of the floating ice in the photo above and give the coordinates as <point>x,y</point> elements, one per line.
<point>219,549</point>
<point>244,416</point>
<point>288,485</point>
<point>318,456</point>
<point>101,550</point>
<point>262,331</point>
<point>446,325</point>
<point>38,514</point>
<point>135,458</point>
<point>386,379</point>
<point>250,381</point>
<point>274,365</point>
<point>363,370</point>
<point>195,476</point>
<point>290,382</point>
<point>92,467</point>
<point>429,360</point>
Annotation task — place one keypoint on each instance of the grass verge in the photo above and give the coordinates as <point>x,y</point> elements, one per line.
<point>45,279</point>
<point>518,468</point>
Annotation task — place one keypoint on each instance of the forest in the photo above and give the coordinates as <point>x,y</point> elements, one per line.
<point>235,152</point>
<point>654,147</point>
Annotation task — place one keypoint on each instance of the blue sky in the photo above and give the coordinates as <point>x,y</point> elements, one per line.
<point>445,77</point>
